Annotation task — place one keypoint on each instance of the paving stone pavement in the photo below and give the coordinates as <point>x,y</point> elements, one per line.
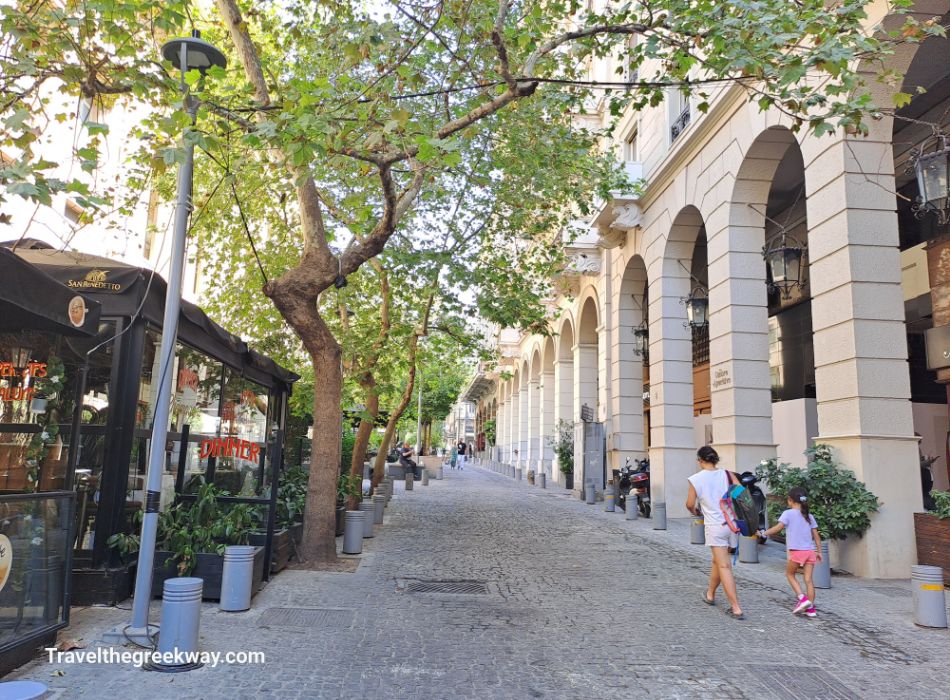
<point>573,603</point>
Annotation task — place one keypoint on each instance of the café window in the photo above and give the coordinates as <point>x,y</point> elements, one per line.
<point>39,372</point>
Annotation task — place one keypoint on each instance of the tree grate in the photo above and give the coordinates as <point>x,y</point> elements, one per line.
<point>306,617</point>
<point>455,587</point>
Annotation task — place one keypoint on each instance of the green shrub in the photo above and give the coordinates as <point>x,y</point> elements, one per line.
<point>841,504</point>
<point>563,443</point>
<point>941,504</point>
<point>346,452</point>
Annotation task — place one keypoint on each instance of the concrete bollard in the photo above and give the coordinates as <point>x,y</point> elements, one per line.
<point>632,512</point>
<point>518,473</point>
<point>181,614</point>
<point>590,492</point>
<point>930,605</point>
<point>697,531</point>
<point>379,505</point>
<point>369,510</point>
<point>237,578</point>
<point>543,480</point>
<point>409,480</point>
<point>610,498</point>
<point>353,532</point>
<point>749,549</point>
<point>821,575</point>
<point>659,516</point>
<point>425,477</point>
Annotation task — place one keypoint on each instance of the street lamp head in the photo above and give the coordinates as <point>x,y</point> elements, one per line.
<point>932,170</point>
<point>199,54</point>
<point>641,338</point>
<point>784,259</point>
<point>697,307</point>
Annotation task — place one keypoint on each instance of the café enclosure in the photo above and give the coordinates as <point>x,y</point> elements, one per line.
<point>75,425</point>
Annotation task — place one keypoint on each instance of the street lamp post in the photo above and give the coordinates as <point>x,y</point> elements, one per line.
<point>188,53</point>
<point>419,422</point>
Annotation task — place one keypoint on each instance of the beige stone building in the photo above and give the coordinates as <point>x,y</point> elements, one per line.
<point>840,359</point>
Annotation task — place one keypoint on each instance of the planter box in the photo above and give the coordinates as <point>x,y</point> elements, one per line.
<point>209,569</point>
<point>102,586</point>
<point>933,542</point>
<point>281,548</point>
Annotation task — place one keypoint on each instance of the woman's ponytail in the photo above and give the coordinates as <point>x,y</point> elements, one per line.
<point>800,496</point>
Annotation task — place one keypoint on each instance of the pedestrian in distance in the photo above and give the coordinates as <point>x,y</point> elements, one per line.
<point>706,488</point>
<point>454,457</point>
<point>462,450</point>
<point>804,548</point>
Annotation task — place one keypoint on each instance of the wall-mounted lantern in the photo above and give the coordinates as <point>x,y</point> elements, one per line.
<point>784,258</point>
<point>697,307</point>
<point>932,169</point>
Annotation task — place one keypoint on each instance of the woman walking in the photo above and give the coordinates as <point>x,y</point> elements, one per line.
<point>706,488</point>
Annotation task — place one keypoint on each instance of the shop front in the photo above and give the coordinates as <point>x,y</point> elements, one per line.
<point>40,320</point>
<point>226,424</point>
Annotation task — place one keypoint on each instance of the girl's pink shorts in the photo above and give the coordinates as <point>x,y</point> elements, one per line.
<point>803,556</point>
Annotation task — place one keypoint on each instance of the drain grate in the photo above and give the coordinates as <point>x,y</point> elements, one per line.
<point>457,587</point>
<point>306,617</point>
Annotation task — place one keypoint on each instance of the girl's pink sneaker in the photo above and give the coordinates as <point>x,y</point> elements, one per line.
<point>803,604</point>
<point>811,612</point>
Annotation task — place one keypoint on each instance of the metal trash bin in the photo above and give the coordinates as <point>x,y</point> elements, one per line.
<point>379,505</point>
<point>659,516</point>
<point>368,510</point>
<point>930,604</point>
<point>353,532</point>
<point>237,578</point>
<point>749,549</point>
<point>821,574</point>
<point>697,531</point>
<point>590,492</point>
<point>181,615</point>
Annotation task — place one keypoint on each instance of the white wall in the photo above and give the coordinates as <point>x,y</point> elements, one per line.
<point>794,426</point>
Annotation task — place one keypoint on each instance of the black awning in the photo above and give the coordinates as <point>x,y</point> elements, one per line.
<point>31,299</point>
<point>126,290</point>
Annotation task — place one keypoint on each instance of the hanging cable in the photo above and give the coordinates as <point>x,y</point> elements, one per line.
<point>247,231</point>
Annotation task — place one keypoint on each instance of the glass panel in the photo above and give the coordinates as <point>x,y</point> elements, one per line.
<point>39,372</point>
<point>932,178</point>
<point>33,547</point>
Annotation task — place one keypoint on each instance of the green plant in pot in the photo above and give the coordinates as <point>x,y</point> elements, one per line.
<point>841,504</point>
<point>941,504</point>
<point>291,497</point>
<point>202,526</point>
<point>563,444</point>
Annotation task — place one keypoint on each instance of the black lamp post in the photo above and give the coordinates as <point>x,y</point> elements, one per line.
<point>697,307</point>
<point>931,169</point>
<point>784,259</point>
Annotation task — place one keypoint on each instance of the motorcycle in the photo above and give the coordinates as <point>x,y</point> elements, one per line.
<point>622,479</point>
<point>640,486</point>
<point>750,481</point>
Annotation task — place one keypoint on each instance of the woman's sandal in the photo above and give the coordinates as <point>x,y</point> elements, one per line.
<point>735,615</point>
<point>707,601</point>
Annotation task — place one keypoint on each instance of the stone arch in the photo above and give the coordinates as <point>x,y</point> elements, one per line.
<point>627,408</point>
<point>564,369</point>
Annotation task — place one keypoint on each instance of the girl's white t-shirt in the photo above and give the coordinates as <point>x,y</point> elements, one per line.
<point>710,485</point>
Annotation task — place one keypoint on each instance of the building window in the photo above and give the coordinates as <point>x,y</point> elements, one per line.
<point>679,113</point>
<point>631,149</point>
<point>632,71</point>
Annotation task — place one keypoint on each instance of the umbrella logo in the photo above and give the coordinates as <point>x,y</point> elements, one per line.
<point>77,311</point>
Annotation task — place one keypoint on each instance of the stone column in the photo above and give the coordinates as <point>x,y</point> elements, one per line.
<point>546,423</point>
<point>513,424</point>
<point>863,387</point>
<point>626,400</point>
<point>533,453</point>
<point>672,452</point>
<point>523,422</point>
<point>503,428</point>
<point>739,335</point>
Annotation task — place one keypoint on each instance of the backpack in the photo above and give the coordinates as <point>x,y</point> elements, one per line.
<point>738,508</point>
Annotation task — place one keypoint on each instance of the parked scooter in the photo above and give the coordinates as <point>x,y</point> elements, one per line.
<point>750,481</point>
<point>622,479</point>
<point>640,486</point>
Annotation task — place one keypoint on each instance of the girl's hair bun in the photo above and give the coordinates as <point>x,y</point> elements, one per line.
<point>708,454</point>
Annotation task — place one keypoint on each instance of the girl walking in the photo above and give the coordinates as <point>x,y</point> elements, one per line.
<point>804,548</point>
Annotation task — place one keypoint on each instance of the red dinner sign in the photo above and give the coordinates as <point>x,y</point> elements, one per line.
<point>229,447</point>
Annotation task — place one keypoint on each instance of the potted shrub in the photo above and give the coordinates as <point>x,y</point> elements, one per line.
<point>932,530</point>
<point>192,538</point>
<point>288,519</point>
<point>841,504</point>
<point>563,444</point>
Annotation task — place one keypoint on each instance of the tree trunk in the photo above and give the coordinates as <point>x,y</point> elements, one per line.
<point>365,430</point>
<point>394,417</point>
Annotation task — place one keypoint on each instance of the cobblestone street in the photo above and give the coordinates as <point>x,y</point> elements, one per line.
<point>566,601</point>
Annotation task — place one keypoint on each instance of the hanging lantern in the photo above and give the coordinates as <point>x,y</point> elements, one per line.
<point>932,170</point>
<point>641,339</point>
<point>785,264</point>
<point>697,307</point>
